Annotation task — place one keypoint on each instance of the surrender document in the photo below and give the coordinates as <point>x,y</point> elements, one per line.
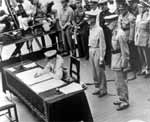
<point>30,65</point>
<point>73,87</point>
<point>28,76</point>
<point>47,85</point>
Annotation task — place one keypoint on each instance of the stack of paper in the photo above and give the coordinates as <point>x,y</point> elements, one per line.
<point>73,87</point>
<point>47,85</point>
<point>28,77</point>
<point>30,65</point>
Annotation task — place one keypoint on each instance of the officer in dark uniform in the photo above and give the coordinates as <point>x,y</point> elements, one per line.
<point>107,33</point>
<point>81,29</point>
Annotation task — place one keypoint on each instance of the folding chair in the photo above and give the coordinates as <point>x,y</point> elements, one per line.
<point>6,106</point>
<point>75,72</point>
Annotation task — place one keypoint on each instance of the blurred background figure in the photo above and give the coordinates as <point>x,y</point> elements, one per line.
<point>81,29</point>
<point>3,6</point>
<point>86,5</point>
<point>107,33</point>
<point>112,6</point>
<point>142,31</point>
<point>94,5</point>
<point>5,24</point>
<point>55,35</point>
<point>66,15</point>
<point>133,6</point>
<point>72,4</point>
<point>26,10</point>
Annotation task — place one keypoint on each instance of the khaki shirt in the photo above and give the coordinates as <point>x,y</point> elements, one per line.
<point>65,15</point>
<point>119,60</point>
<point>142,30</point>
<point>127,24</point>
<point>97,40</point>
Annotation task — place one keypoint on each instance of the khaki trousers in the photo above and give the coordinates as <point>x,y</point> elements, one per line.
<point>69,43</point>
<point>121,85</point>
<point>144,58</point>
<point>98,72</point>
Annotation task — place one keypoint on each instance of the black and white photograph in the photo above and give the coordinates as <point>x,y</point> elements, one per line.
<point>74,60</point>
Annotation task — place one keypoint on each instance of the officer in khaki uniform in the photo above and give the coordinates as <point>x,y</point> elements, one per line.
<point>142,34</point>
<point>97,49</point>
<point>119,62</point>
<point>126,23</point>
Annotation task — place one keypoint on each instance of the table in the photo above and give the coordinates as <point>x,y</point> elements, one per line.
<point>50,105</point>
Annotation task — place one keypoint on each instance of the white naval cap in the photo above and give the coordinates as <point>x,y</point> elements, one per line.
<point>50,53</point>
<point>111,17</point>
<point>102,1</point>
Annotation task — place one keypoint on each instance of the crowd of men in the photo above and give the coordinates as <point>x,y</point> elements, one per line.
<point>117,37</point>
<point>121,40</point>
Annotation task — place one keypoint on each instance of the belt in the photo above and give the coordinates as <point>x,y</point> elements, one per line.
<point>93,47</point>
<point>126,29</point>
<point>116,51</point>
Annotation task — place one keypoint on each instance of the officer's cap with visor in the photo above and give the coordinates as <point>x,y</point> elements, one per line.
<point>110,18</point>
<point>50,54</point>
<point>101,2</point>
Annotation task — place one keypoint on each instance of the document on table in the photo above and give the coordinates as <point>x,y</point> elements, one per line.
<point>73,87</point>
<point>28,76</point>
<point>47,85</point>
<point>11,69</point>
<point>30,65</point>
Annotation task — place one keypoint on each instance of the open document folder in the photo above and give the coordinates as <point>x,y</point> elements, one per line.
<point>47,85</point>
<point>73,87</point>
<point>28,76</point>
